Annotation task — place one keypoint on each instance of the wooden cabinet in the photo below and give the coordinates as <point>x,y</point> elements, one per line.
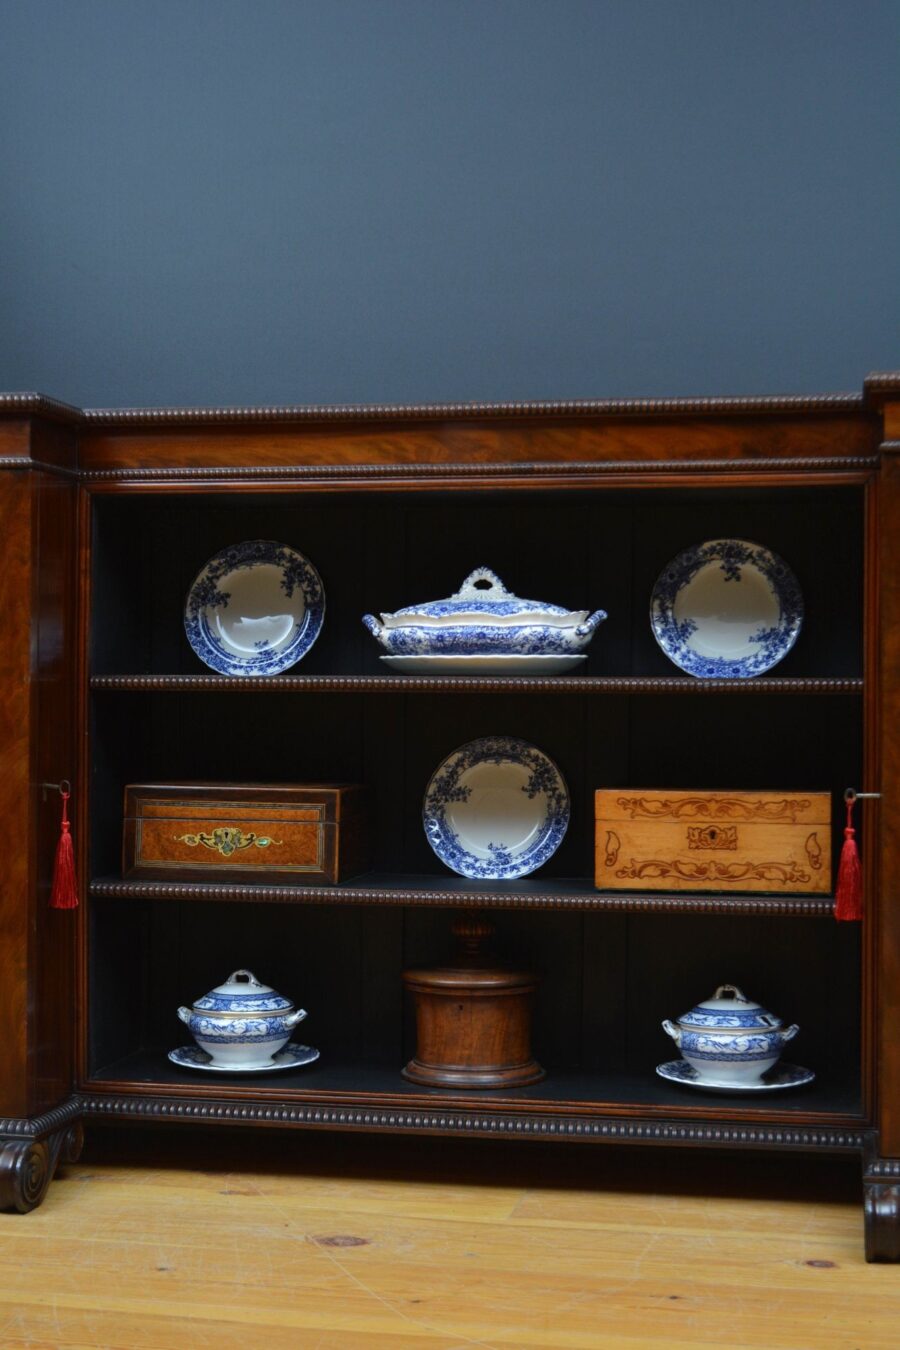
<point>110,515</point>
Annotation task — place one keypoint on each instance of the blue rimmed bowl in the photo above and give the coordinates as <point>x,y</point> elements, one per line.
<point>726,609</point>
<point>496,809</point>
<point>255,608</point>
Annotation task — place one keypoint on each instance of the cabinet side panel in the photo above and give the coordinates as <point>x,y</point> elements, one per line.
<point>37,1014</point>
<point>16,792</point>
<point>887,918</point>
<point>53,1011</point>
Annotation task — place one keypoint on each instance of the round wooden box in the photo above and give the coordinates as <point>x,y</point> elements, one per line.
<point>473,1027</point>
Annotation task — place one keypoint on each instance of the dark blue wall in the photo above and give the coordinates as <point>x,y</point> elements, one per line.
<point>360,200</point>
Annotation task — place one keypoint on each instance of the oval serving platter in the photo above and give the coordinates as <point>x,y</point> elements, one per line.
<point>491,663</point>
<point>496,809</point>
<point>726,609</point>
<point>256,608</point>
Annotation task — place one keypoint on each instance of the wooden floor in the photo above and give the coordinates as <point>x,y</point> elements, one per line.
<point>340,1242</point>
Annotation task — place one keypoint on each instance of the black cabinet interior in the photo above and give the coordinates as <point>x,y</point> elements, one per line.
<point>606,980</point>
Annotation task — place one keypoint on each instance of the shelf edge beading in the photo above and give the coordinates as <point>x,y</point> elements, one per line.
<point>620,902</point>
<point>477,1121</point>
<point>399,684</point>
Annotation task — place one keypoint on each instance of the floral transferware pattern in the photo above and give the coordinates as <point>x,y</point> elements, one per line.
<point>206,595</point>
<point>226,1031</point>
<point>764,648</point>
<point>291,1057</point>
<point>471,639</point>
<point>544,786</point>
<point>776,1080</point>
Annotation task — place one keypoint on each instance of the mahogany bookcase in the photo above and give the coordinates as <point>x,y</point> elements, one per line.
<point>106,517</point>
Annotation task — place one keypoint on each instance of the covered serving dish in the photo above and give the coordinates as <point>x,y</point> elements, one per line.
<point>242,1022</point>
<point>484,618</point>
<point>730,1039</point>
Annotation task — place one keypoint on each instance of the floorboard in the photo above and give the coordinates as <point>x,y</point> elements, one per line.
<point>165,1239</point>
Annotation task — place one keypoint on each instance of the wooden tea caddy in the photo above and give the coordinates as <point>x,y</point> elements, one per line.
<point>473,1017</point>
<point>106,517</point>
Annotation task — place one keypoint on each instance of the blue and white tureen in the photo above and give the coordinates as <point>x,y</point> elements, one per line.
<point>483,618</point>
<point>242,1023</point>
<point>729,1039</point>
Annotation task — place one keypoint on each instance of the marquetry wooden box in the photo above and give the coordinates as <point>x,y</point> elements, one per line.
<point>657,840</point>
<point>245,832</point>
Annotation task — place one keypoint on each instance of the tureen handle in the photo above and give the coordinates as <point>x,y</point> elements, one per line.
<point>242,977</point>
<point>185,1015</point>
<point>671,1030</point>
<point>590,624</point>
<point>739,996</point>
<point>291,1019</point>
<point>471,590</point>
<point>789,1033</point>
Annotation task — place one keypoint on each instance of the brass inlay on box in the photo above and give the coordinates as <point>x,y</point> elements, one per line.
<point>246,832</point>
<point>226,840</point>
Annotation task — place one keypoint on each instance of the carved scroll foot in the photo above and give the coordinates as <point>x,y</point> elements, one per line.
<point>27,1165</point>
<point>882,1207</point>
<point>881,1190</point>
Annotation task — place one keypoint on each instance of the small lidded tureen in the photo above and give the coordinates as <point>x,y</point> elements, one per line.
<point>730,1039</point>
<point>484,618</point>
<point>242,1023</point>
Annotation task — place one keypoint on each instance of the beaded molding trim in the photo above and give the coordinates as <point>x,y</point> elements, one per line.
<point>35,1127</point>
<point>881,382</point>
<point>782,906</point>
<point>476,1122</point>
<point>34,404</point>
<point>482,684</point>
<point>883,1167</point>
<point>331,412</point>
<point>510,469</point>
<point>36,465</point>
<point>877,383</point>
<point>39,405</point>
<point>395,472</point>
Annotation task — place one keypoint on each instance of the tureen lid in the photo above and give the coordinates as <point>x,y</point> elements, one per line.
<point>729,1007</point>
<point>242,992</point>
<point>481,593</point>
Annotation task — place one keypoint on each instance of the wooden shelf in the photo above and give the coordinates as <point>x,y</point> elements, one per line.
<point>367,1087</point>
<point>472,684</point>
<point>380,888</point>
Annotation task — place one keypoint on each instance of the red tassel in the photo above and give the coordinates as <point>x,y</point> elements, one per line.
<point>63,892</point>
<point>848,893</point>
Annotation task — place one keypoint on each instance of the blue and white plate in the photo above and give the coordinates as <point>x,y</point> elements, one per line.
<point>497,808</point>
<point>255,609</point>
<point>293,1056</point>
<point>780,1078</point>
<point>726,609</point>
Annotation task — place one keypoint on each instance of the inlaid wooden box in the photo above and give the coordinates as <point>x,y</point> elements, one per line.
<point>251,832</point>
<point>650,839</point>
